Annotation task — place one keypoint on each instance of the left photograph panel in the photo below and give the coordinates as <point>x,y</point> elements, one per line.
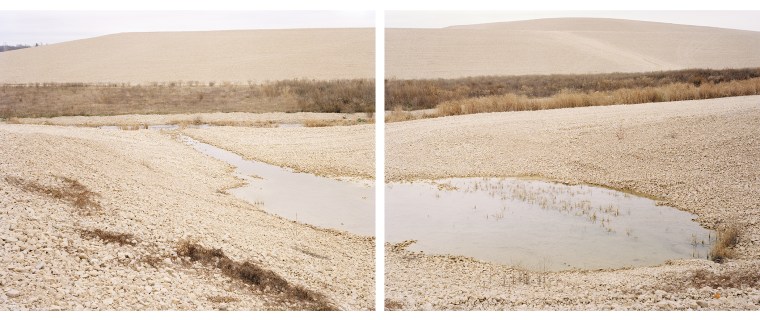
<point>187,160</point>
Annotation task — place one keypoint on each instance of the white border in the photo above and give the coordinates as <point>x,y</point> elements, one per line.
<point>379,6</point>
<point>379,161</point>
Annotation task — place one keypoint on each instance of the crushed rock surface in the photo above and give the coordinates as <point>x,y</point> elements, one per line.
<point>150,185</point>
<point>700,156</point>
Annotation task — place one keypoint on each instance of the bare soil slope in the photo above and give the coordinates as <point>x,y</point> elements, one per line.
<point>565,45</point>
<point>238,56</point>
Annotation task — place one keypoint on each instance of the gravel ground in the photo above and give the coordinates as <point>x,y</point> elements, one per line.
<point>147,184</point>
<point>342,152</point>
<point>700,156</point>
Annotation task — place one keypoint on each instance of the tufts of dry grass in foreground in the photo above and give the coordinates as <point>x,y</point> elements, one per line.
<point>67,189</point>
<point>13,120</point>
<point>250,273</point>
<point>109,236</point>
<point>735,278</point>
<point>746,276</point>
<point>393,305</point>
<point>721,250</point>
<point>567,99</point>
<point>83,99</point>
<point>222,299</point>
<point>398,114</point>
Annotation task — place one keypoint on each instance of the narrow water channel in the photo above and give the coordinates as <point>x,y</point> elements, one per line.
<point>319,201</point>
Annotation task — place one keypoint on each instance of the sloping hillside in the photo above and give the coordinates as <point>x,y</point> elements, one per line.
<point>565,45</point>
<point>239,56</point>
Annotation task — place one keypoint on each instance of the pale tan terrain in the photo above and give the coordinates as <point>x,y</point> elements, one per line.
<point>216,118</point>
<point>235,56</point>
<point>565,45</point>
<point>702,156</point>
<point>337,152</point>
<point>162,191</point>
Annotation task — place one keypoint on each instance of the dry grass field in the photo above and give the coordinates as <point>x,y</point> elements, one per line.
<point>666,93</point>
<point>416,99</point>
<point>564,46</point>
<point>80,99</point>
<point>415,94</point>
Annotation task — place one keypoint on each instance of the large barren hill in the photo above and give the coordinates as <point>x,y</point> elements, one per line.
<point>237,56</point>
<point>565,45</point>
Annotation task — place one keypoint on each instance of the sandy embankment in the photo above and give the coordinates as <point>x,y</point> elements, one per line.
<point>565,45</point>
<point>234,56</point>
<point>702,156</point>
<point>160,190</point>
<point>227,118</point>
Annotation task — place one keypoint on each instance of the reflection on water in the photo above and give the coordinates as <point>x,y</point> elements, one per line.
<point>540,225</point>
<point>319,201</point>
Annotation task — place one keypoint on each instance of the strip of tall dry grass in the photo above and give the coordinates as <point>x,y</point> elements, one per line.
<point>82,99</point>
<point>428,93</point>
<point>315,123</point>
<point>569,99</point>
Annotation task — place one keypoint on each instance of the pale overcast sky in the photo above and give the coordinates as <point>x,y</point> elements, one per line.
<point>744,20</point>
<point>29,27</point>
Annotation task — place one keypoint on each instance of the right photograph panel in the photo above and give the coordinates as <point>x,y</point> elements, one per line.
<point>572,161</point>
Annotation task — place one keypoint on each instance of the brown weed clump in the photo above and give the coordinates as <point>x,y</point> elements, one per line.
<point>721,250</point>
<point>250,273</point>
<point>393,305</point>
<point>65,189</point>
<point>109,236</point>
<point>734,278</point>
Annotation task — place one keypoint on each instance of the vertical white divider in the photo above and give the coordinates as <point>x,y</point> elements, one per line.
<point>379,159</point>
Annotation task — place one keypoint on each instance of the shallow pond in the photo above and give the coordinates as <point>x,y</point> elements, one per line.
<point>304,197</point>
<point>540,225</point>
